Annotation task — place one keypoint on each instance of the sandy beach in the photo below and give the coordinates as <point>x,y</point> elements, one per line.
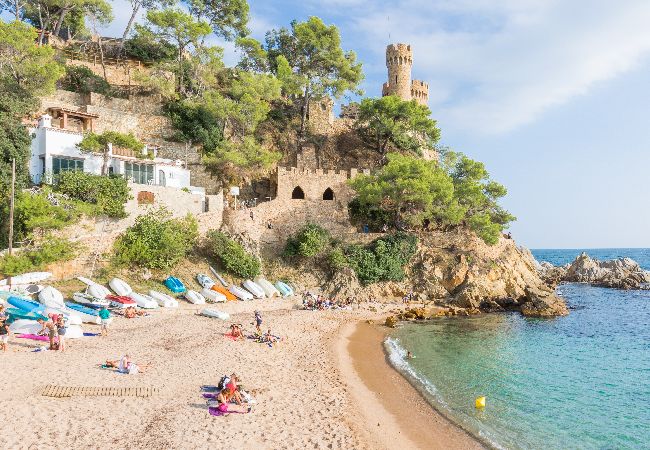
<point>325,385</point>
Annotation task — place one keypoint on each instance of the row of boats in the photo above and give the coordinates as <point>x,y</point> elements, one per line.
<point>85,305</point>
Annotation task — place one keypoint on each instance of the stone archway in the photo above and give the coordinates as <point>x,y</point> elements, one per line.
<point>298,193</point>
<point>328,194</point>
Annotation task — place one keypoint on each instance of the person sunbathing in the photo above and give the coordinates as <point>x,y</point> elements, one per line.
<point>125,365</point>
<point>231,392</point>
<point>129,312</point>
<point>235,332</point>
<point>225,406</point>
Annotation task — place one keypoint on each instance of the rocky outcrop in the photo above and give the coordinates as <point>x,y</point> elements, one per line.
<point>459,272</point>
<point>621,273</point>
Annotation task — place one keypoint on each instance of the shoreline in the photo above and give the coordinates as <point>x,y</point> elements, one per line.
<point>386,398</point>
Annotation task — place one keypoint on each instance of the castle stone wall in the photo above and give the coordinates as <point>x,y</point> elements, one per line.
<point>314,183</point>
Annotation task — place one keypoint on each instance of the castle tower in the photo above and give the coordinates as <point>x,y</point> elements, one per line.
<point>399,61</point>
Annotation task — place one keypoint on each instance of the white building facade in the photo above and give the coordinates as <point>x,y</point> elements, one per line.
<point>54,150</point>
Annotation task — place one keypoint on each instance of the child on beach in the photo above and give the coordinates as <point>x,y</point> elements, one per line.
<point>61,329</point>
<point>105,316</point>
<point>4,333</point>
<point>50,328</point>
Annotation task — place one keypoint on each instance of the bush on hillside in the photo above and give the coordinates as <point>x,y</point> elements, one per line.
<point>51,250</point>
<point>156,240</point>
<point>232,256</point>
<point>382,260</point>
<point>82,80</point>
<point>310,240</point>
<point>337,260</point>
<point>109,194</point>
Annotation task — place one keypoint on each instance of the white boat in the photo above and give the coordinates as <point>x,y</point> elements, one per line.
<point>85,318</point>
<point>51,298</point>
<point>215,314</point>
<point>26,278</point>
<point>87,299</point>
<point>95,289</point>
<point>71,317</point>
<point>163,300</point>
<point>195,297</point>
<point>219,277</point>
<point>26,290</point>
<point>269,289</point>
<point>205,281</point>
<point>25,326</point>
<point>240,293</point>
<point>213,296</point>
<point>120,287</point>
<point>254,289</point>
<point>143,301</point>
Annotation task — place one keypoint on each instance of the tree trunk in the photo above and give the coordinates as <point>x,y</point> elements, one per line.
<point>17,6</point>
<point>101,56</point>
<point>136,8</point>
<point>305,112</point>
<point>181,87</point>
<point>59,23</point>
<point>105,162</point>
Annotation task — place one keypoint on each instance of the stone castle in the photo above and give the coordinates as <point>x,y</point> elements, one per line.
<point>399,61</point>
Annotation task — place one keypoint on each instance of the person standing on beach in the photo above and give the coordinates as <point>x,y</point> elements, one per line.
<point>61,329</point>
<point>258,323</point>
<point>4,333</point>
<point>105,316</point>
<point>51,330</point>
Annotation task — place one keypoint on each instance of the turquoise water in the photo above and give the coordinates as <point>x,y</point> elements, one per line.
<point>576,382</point>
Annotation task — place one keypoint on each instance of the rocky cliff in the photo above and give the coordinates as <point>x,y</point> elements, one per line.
<point>459,271</point>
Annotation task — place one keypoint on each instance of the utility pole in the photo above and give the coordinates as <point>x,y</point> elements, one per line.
<point>11,205</point>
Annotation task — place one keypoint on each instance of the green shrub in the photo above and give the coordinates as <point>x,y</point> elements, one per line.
<point>156,240</point>
<point>383,259</point>
<point>336,259</point>
<point>109,194</point>
<point>83,80</point>
<point>232,256</point>
<point>144,46</point>
<point>309,241</point>
<point>51,250</point>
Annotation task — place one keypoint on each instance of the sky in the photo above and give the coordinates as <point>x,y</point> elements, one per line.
<point>551,95</point>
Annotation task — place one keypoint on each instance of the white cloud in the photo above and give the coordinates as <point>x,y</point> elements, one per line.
<point>497,65</point>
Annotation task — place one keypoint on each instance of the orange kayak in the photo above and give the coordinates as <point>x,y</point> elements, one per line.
<point>224,291</point>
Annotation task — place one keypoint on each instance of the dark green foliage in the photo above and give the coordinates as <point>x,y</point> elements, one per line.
<point>232,256</point>
<point>83,80</point>
<point>195,122</point>
<point>109,193</point>
<point>156,240</point>
<point>145,47</point>
<point>51,250</point>
<point>415,192</point>
<point>310,241</point>
<point>369,214</point>
<point>382,260</point>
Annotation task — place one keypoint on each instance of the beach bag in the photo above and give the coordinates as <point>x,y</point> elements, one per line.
<point>223,382</point>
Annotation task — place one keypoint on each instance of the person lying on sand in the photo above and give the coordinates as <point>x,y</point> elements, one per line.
<point>129,312</point>
<point>125,365</point>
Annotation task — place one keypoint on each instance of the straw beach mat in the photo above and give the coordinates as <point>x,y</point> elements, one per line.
<point>53,390</point>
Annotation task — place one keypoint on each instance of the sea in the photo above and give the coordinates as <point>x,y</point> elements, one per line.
<point>575,382</point>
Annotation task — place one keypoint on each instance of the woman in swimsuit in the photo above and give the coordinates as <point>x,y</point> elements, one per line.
<point>61,329</point>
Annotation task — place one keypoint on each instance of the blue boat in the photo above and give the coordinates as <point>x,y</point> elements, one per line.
<point>82,309</point>
<point>175,285</point>
<point>25,304</point>
<point>17,313</point>
<point>284,288</point>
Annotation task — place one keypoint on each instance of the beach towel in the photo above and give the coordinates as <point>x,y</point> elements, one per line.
<point>215,411</point>
<point>230,336</point>
<point>33,337</point>
<point>210,388</point>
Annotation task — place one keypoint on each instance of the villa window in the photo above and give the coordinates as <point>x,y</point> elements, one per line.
<point>328,194</point>
<point>298,193</point>
<point>66,164</point>
<point>139,173</point>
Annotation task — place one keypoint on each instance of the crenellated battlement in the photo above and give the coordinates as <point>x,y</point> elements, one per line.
<point>399,61</point>
<point>331,173</point>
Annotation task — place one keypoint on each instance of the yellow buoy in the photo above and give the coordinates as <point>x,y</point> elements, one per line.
<point>480,402</point>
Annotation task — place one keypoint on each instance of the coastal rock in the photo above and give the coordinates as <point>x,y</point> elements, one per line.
<point>621,273</point>
<point>391,321</point>
<point>543,303</point>
<point>343,284</point>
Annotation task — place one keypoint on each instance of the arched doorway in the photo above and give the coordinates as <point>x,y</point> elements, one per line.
<point>328,194</point>
<point>298,193</point>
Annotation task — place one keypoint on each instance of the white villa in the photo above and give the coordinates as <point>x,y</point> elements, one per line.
<point>54,150</point>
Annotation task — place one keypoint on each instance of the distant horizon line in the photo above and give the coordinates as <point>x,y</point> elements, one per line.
<point>589,248</point>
